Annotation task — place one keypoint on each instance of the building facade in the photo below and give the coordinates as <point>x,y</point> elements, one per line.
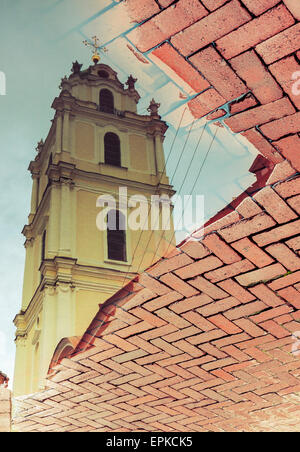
<point>97,146</point>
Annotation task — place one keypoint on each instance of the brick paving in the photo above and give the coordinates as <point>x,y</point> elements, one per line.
<point>206,339</point>
<point>201,341</point>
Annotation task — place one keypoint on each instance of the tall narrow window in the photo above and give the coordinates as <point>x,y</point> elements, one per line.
<point>112,149</point>
<point>43,246</point>
<point>116,236</point>
<point>106,101</point>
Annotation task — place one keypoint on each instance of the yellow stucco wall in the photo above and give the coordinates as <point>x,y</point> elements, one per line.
<point>77,275</point>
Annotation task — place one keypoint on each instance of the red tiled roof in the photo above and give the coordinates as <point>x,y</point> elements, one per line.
<point>3,380</point>
<point>207,339</point>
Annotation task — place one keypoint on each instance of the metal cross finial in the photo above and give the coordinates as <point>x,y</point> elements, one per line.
<point>96,48</point>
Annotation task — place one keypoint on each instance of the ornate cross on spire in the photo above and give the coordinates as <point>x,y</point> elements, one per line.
<point>96,48</point>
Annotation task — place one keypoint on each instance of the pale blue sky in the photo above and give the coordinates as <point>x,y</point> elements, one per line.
<point>39,41</point>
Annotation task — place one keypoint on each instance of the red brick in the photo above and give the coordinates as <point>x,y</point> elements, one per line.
<point>277,234</point>
<point>258,355</point>
<point>242,105</point>
<point>219,306</point>
<point>163,345</point>
<point>231,218</point>
<point>165,3</point>
<point>235,353</point>
<point>188,348</point>
<point>211,28</point>
<point>252,252</point>
<point>216,115</point>
<point>229,270</point>
<point>221,322</point>
<point>285,256</point>
<point>208,288</point>
<point>206,337</point>
<point>294,243</point>
<point>295,203</point>
<point>198,320</point>
<point>144,345</point>
<point>178,285</point>
<point>216,365</point>
<point>167,265</point>
<point>261,115</point>
<point>167,23</point>
<point>153,285</point>
<point>282,71</point>
<point>224,375</point>
<point>134,329</point>
<point>281,45</point>
<point>213,4</point>
<point>256,31</point>
<point>263,146</point>
<point>199,267</point>
<point>145,315</point>
<point>271,314</point>
<point>190,303</point>
<point>275,329</point>
<point>195,249</point>
<point>282,171</point>
<point>249,67</point>
<point>205,103</point>
<point>236,290</point>
<point>140,10</point>
<point>213,351</point>
<point>264,274</point>
<point>224,252</point>
<point>180,67</point>
<point>282,319</point>
<point>245,310</point>
<point>182,334</point>
<point>291,295</point>
<point>116,340</point>
<point>263,293</point>
<point>289,188</point>
<point>294,7</point>
<point>280,127</point>
<point>172,318</point>
<point>285,281</point>
<point>246,227</point>
<point>216,70</point>
<point>248,208</point>
<point>274,205</point>
<point>290,149</point>
<point>160,302</point>
<point>249,327</point>
<point>258,7</point>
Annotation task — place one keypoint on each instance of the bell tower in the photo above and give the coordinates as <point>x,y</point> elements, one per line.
<point>97,146</point>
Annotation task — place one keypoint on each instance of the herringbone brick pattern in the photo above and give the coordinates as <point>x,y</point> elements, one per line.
<point>243,53</point>
<point>202,341</point>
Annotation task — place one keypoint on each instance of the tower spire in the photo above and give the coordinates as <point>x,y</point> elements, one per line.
<point>96,48</point>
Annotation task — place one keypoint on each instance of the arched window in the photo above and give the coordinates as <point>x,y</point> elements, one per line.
<point>112,149</point>
<point>106,101</point>
<point>116,236</point>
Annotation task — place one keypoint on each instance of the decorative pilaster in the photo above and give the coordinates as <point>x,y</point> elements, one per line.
<point>65,323</point>
<point>54,223</point>
<point>28,272</point>
<point>65,217</point>
<point>58,132</point>
<point>48,331</point>
<point>160,159</point>
<point>20,376</point>
<point>66,131</point>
